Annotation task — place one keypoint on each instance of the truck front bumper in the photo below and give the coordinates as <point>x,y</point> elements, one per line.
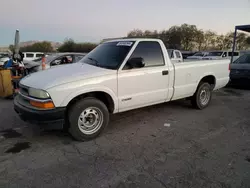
<point>47,119</point>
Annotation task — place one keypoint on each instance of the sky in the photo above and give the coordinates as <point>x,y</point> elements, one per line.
<point>94,20</point>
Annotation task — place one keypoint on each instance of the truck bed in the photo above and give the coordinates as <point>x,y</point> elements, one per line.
<point>188,75</point>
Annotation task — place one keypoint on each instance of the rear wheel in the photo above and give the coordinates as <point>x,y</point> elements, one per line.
<point>202,96</point>
<point>88,118</point>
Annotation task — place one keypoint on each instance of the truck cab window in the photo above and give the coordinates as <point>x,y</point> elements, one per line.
<point>150,52</point>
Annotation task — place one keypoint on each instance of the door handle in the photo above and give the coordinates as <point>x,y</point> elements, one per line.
<point>165,72</point>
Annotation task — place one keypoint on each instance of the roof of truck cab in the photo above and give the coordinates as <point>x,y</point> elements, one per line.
<point>134,39</point>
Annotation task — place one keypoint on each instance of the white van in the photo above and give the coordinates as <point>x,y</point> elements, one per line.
<point>32,55</point>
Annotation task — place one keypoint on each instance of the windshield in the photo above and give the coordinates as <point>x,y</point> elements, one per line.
<point>108,55</point>
<point>214,54</point>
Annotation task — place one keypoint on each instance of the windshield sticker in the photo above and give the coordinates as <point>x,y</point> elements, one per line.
<point>124,43</point>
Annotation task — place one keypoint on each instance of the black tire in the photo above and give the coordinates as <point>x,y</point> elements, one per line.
<point>196,99</point>
<point>81,106</point>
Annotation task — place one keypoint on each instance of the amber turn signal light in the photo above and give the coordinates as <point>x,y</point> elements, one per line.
<point>43,105</point>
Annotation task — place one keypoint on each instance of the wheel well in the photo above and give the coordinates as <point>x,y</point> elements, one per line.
<point>102,96</point>
<point>209,79</point>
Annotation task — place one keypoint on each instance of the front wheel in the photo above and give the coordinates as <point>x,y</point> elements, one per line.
<point>88,117</point>
<point>202,96</point>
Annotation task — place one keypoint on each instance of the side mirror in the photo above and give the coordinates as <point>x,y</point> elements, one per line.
<point>136,62</point>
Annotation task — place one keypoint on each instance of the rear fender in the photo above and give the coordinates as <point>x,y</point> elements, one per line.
<point>203,76</point>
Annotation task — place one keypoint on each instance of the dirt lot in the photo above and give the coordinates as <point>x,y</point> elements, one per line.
<point>167,145</point>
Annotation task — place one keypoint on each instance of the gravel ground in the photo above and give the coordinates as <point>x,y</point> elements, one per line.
<point>167,145</point>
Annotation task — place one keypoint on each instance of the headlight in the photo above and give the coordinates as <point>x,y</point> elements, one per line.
<point>38,93</point>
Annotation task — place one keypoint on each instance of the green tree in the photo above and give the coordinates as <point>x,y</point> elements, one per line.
<point>11,47</point>
<point>241,41</point>
<point>209,40</point>
<point>199,39</point>
<point>220,42</point>
<point>228,40</point>
<point>188,36</point>
<point>70,46</point>
<point>173,37</point>
<point>38,47</point>
<point>135,33</point>
<point>164,36</point>
<point>248,41</point>
<point>84,47</point>
<point>67,46</point>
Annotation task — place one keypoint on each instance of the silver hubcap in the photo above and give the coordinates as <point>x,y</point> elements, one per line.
<point>204,96</point>
<point>90,120</point>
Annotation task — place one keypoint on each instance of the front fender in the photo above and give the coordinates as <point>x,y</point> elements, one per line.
<point>62,102</point>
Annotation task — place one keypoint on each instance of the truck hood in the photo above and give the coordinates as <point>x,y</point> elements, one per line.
<point>63,74</point>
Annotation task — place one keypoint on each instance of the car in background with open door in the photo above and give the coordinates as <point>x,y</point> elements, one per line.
<point>54,60</point>
<point>240,71</point>
<point>198,55</point>
<point>4,57</point>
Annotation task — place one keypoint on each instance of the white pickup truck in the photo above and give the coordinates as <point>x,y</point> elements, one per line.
<point>116,76</point>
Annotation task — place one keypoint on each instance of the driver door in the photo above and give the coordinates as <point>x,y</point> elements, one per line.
<point>138,87</point>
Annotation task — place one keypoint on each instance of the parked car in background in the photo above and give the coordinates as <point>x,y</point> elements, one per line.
<point>240,70</point>
<point>30,56</point>
<point>213,55</point>
<point>242,52</point>
<point>186,54</point>
<point>53,60</point>
<point>3,58</point>
<point>198,55</point>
